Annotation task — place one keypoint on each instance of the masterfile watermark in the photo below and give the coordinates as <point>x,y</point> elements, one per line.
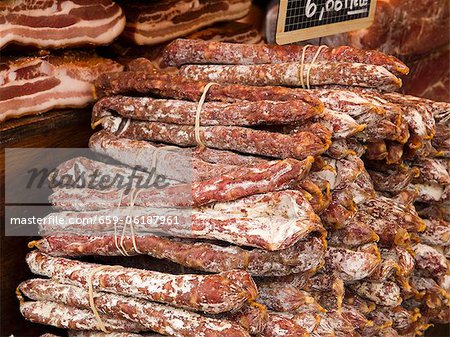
<point>138,177</point>
<point>77,191</point>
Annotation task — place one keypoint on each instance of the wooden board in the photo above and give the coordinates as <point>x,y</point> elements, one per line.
<point>51,128</point>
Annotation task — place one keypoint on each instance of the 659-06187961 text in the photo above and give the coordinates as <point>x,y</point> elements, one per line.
<point>97,219</point>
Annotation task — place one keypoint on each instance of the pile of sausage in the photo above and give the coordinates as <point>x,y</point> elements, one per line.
<point>317,211</point>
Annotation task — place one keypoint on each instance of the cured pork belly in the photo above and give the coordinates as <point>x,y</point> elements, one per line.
<point>33,85</point>
<point>430,76</point>
<point>154,22</point>
<point>59,23</point>
<point>234,31</point>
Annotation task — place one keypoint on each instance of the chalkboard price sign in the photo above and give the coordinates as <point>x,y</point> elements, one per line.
<point>300,20</point>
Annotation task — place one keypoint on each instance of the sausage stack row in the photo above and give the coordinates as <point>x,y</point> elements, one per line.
<point>283,222</point>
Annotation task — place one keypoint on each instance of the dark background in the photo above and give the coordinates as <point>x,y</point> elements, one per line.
<point>58,129</point>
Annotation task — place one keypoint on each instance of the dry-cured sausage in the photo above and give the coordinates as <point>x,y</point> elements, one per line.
<point>209,293</point>
<point>290,74</point>
<point>183,51</point>
<point>152,316</point>
<point>305,255</point>
<point>309,142</point>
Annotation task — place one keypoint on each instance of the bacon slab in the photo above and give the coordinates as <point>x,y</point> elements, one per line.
<point>209,293</point>
<point>38,84</point>
<point>232,31</point>
<point>60,23</point>
<point>182,51</point>
<point>153,23</point>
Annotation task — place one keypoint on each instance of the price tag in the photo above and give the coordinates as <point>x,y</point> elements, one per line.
<point>300,20</point>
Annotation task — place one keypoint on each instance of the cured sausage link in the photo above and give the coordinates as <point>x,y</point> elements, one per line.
<point>205,163</point>
<point>209,293</point>
<point>342,261</point>
<point>303,256</point>
<point>73,333</point>
<point>283,297</point>
<point>385,293</point>
<point>179,87</point>
<point>67,317</point>
<point>283,325</point>
<point>183,51</point>
<point>263,112</point>
<point>348,102</point>
<point>175,165</point>
<point>259,221</point>
<point>253,317</point>
<point>241,182</point>
<point>311,142</point>
<point>290,74</point>
<point>152,316</point>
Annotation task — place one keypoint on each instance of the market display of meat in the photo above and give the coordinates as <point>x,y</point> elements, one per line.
<point>309,199</point>
<point>60,23</point>
<point>32,85</point>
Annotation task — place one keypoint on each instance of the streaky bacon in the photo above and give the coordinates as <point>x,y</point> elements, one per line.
<point>33,85</point>
<point>59,23</point>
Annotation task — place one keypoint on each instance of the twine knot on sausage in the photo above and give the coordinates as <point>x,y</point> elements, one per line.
<point>100,323</point>
<point>310,65</point>
<point>198,114</point>
<point>119,243</point>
